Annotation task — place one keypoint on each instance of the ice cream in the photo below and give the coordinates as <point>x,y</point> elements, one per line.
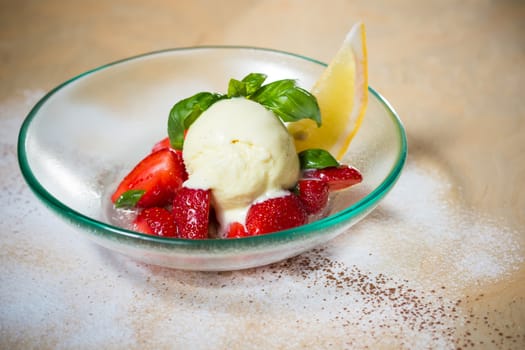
<point>243,153</point>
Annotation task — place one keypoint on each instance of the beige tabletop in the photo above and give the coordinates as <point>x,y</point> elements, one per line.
<point>439,264</point>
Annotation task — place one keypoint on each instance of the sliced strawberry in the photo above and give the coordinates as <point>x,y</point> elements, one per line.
<point>191,210</point>
<point>156,221</point>
<point>338,177</point>
<point>162,144</point>
<point>275,214</point>
<point>236,230</point>
<point>313,194</point>
<point>160,175</point>
<point>165,143</point>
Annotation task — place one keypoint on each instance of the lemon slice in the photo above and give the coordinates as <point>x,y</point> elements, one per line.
<point>342,94</point>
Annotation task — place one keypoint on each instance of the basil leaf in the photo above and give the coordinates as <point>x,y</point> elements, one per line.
<point>236,88</point>
<point>253,82</point>
<point>185,112</point>
<point>316,158</point>
<point>288,101</point>
<point>129,198</point>
<point>247,86</point>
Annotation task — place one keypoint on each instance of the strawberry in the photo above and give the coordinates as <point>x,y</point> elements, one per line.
<point>191,210</point>
<point>160,175</point>
<point>155,221</point>
<point>275,214</point>
<point>236,230</point>
<point>162,144</point>
<point>337,177</point>
<point>313,194</point>
<point>165,143</point>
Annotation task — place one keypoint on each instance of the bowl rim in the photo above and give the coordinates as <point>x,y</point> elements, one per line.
<point>362,205</point>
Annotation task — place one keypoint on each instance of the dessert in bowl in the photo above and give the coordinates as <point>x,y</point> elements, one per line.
<point>83,137</point>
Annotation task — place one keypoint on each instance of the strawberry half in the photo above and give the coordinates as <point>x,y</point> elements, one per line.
<point>191,210</point>
<point>337,177</point>
<point>236,230</point>
<point>165,143</point>
<point>275,214</point>
<point>313,194</point>
<point>156,221</point>
<point>162,144</point>
<point>160,175</point>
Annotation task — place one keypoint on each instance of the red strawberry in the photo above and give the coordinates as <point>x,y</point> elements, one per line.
<point>156,221</point>
<point>162,144</point>
<point>236,230</point>
<point>275,214</point>
<point>160,174</point>
<point>313,194</point>
<point>165,143</point>
<point>338,177</point>
<point>191,210</point>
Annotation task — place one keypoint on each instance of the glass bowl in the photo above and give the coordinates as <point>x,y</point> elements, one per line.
<point>82,137</point>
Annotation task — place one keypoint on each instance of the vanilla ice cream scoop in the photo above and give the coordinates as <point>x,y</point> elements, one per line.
<point>243,153</point>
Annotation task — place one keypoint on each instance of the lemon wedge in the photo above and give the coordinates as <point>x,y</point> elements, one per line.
<point>342,94</point>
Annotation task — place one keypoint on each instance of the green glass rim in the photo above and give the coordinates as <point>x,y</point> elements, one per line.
<point>60,208</point>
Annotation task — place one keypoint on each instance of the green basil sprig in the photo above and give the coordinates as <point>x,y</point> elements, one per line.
<point>316,158</point>
<point>247,86</point>
<point>283,97</point>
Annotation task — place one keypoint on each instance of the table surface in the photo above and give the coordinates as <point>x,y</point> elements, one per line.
<point>439,264</point>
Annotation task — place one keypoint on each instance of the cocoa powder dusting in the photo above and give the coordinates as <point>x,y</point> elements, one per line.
<point>384,307</point>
